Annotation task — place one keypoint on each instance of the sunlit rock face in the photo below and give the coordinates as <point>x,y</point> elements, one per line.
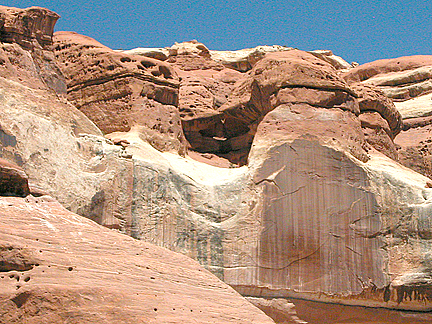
<point>58,267</point>
<point>25,52</point>
<point>60,149</point>
<point>325,214</point>
<point>408,81</point>
<point>118,91</point>
<point>300,196</point>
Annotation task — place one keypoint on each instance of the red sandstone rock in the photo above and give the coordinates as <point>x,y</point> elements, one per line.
<point>316,214</point>
<point>372,99</point>
<point>378,133</point>
<point>58,267</point>
<point>118,91</point>
<point>415,149</point>
<point>281,77</point>
<point>368,70</point>
<point>408,81</point>
<point>296,311</point>
<point>29,27</point>
<point>25,48</point>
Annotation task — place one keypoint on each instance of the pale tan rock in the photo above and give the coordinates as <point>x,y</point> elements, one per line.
<point>244,59</point>
<point>369,70</point>
<point>73,154</point>
<point>336,61</point>
<point>58,267</point>
<point>417,107</point>
<point>156,53</point>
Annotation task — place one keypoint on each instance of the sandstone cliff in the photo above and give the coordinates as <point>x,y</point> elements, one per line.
<point>58,267</point>
<point>408,81</point>
<point>277,169</point>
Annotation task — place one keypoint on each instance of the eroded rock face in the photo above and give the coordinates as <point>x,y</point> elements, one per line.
<point>62,152</point>
<point>408,81</point>
<point>322,207</point>
<point>28,27</point>
<point>25,48</point>
<point>316,211</point>
<point>281,77</point>
<point>56,266</point>
<point>400,78</point>
<point>292,311</point>
<point>118,91</point>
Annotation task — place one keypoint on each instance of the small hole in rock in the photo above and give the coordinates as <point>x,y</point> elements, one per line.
<point>70,268</point>
<point>155,309</point>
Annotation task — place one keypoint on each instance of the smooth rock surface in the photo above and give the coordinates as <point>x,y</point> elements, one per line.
<point>336,61</point>
<point>58,267</point>
<point>292,311</point>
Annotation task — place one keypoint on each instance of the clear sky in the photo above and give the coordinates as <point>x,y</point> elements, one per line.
<point>361,31</point>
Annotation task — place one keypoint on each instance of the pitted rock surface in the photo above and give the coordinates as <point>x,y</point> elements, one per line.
<point>118,91</point>
<point>58,267</point>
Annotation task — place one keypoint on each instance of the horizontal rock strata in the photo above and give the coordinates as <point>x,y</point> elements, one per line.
<point>118,91</point>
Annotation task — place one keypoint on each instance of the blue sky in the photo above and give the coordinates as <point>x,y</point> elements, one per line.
<point>361,31</point>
